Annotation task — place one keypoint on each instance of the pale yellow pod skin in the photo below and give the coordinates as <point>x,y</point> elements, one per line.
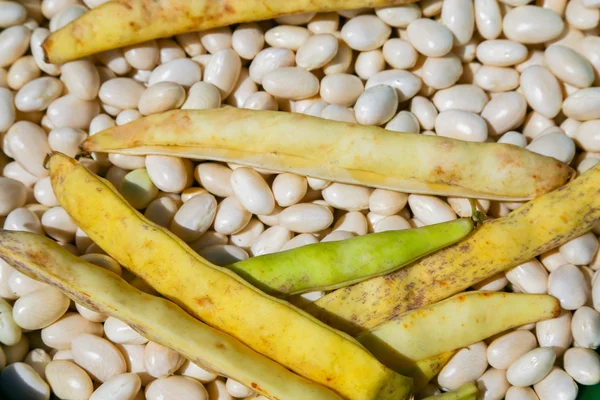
<point>339,151</point>
<point>157,319</point>
<point>454,323</point>
<point>216,295</point>
<point>532,229</point>
<point>124,22</point>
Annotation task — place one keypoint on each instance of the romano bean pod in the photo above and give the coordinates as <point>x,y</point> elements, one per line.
<point>158,319</point>
<point>327,266</point>
<point>530,230</point>
<point>454,323</point>
<point>339,151</point>
<point>218,296</point>
<point>124,22</point>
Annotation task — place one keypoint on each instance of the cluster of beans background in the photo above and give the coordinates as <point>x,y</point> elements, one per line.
<point>511,71</point>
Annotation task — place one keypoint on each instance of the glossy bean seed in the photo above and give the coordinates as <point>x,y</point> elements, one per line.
<point>531,25</point>
<point>248,40</point>
<point>119,332</point>
<point>101,359</point>
<point>568,284</point>
<point>271,240</point>
<point>429,37</point>
<point>531,367</point>
<point>493,384</point>
<point>194,217</point>
<point>462,125</point>
<point>365,32</point>
<point>182,71</point>
<point>120,387</point>
<point>530,277</point>
<point>555,333</point>
<point>430,209</point>
<point>176,387</point>
<point>193,370</point>
<point>585,326</point>
<point>69,381</point>
<point>583,365</point>
<point>40,308</point>
<point>369,63</point>
<point>292,83</point>
<point>160,361</point>
<point>202,96</point>
<point>508,348</point>
<point>231,216</point>
<point>466,365</point>
<point>252,191</point>
<point>556,385</point>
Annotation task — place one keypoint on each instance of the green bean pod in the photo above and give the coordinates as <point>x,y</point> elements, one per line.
<point>330,265</point>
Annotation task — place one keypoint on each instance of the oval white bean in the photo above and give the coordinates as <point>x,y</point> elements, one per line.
<point>508,348</point>
<point>504,112</point>
<point>568,284</point>
<point>142,56</point>
<point>586,327</point>
<point>61,333</point>
<point>399,54</point>
<point>194,217</point>
<point>554,144</point>
<point>365,32</point>
<point>169,174</point>
<point>460,97</point>
<point>247,40</point>
<point>271,240</point>
<point>161,97</point>
<point>38,309</point>
<point>557,384</point>
<point>493,384</point>
<point>317,51</point>
<point>195,371</point>
<point>287,37</point>
<point>347,197</point>
<point>467,365</point>
<point>341,89</point>
<point>69,381</point>
<point>101,359</point>
<point>369,63</point>
<point>120,387</point>
<point>10,331</point>
<point>119,332</point>
<point>236,389</point>
<point>542,91</point>
<point>184,71</point>
<point>291,83</point>
<point>531,25</point>
<point>555,333</point>
<point>531,367</point>
<point>429,37</point>
<point>462,125</point>
<point>252,191</point>
<point>583,365</point>
<point>441,72</point>
<point>231,216</point>
<point>376,105</point>
<point>306,218</point>
<point>581,250</point>
<point>70,111</point>
<point>23,70</point>
<point>289,189</point>
<point>430,209</point>
<point>22,219</point>
<point>176,387</point>
<point>160,361</point>
<point>530,277</point>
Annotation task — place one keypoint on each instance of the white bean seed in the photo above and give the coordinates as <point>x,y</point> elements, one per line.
<point>555,332</point>
<point>531,25</point>
<point>508,348</point>
<point>399,16</point>
<point>542,91</point>
<point>586,327</point>
<point>531,367</point>
<point>400,54</point>
<point>216,39</point>
<point>289,189</point>
<point>369,63</point>
<point>176,387</point>
<point>376,105</point>
<point>39,309</point>
<point>530,277</point>
<point>462,125</point>
<point>69,381</point>
<point>236,389</point>
<point>100,358</point>
<point>271,240</point>
<point>120,387</point>
<point>231,216</point>
<point>583,365</point>
<point>160,361</point>
<point>493,384</point>
<point>554,144</point>
<point>292,83</point>
<point>504,112</point>
<point>568,284</point>
<point>556,385</point>
<point>429,37</point>
<point>460,97</point>
<point>182,71</point>
<point>465,366</point>
<point>341,89</point>
<point>581,250</point>
<point>441,72</point>
<point>430,209</point>
<point>195,371</point>
<point>194,217</point>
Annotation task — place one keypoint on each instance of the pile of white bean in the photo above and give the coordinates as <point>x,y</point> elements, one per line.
<point>482,70</point>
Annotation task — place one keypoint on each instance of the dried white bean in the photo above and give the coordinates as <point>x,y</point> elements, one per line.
<point>556,385</point>
<point>508,348</point>
<point>216,39</point>
<point>504,112</point>
<point>22,71</point>
<point>236,389</point>
<point>292,83</point>
<point>460,97</point>
<point>583,365</point>
<point>317,51</point>
<point>231,216</point>
<point>376,105</point>
<point>289,189</point>
<point>493,384</point>
<point>69,381</point>
<point>430,209</point>
<point>531,367</point>
<point>586,327</point>
<point>160,361</point>
<point>400,54</point>
<point>100,358</point>
<point>530,277</point>
<point>458,16</point>
<point>369,63</point>
<point>341,62</point>
<point>581,250</point>
<point>341,89</point>
<point>119,332</point>
<point>531,25</point>
<point>554,144</point>
<point>271,240</point>
<point>184,71</point>
<point>488,18</point>
<point>429,37</point>
<point>39,309</point>
<point>399,16</point>
<point>194,217</point>
<point>365,32</point>
<point>176,387</point>
<point>195,371</point>
<point>568,284</point>
<point>120,387</point>
<point>465,366</point>
<point>462,125</point>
